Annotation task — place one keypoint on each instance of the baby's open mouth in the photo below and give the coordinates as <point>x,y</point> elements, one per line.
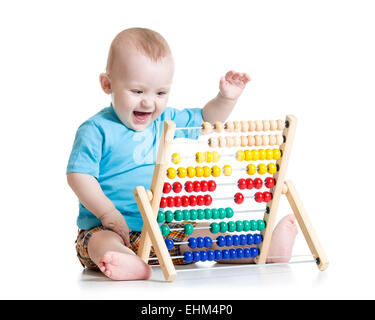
<point>142,117</point>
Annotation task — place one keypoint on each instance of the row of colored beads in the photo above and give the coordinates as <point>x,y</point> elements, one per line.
<point>185,201</point>
<point>258,196</point>
<point>237,226</point>
<point>192,172</point>
<point>211,255</point>
<point>271,168</point>
<point>192,214</point>
<point>255,155</point>
<point>189,186</point>
<point>257,183</point>
<point>243,126</point>
<point>246,141</point>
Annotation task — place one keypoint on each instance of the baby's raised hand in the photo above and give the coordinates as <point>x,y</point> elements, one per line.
<point>232,85</point>
<point>116,222</point>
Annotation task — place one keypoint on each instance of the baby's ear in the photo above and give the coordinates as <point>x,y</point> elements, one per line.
<point>105,83</point>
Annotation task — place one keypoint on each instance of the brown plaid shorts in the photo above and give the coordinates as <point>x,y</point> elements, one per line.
<point>135,236</point>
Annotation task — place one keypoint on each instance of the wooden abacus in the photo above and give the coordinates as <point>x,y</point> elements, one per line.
<point>149,202</point>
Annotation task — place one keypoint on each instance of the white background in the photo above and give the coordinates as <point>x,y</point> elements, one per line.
<point>313,59</point>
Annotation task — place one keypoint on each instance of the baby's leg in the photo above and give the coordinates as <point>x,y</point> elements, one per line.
<point>114,259</point>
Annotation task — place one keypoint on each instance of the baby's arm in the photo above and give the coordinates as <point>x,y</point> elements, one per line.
<point>231,87</point>
<point>91,195</point>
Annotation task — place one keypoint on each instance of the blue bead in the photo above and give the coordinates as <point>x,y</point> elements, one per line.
<point>204,255</point>
<point>254,252</point>
<point>243,239</point>
<point>188,256</point>
<point>228,241</point>
<point>211,255</point>
<point>247,253</point>
<point>169,243</point>
<point>236,240</point>
<point>192,242</point>
<point>250,239</point>
<point>226,254</point>
<point>200,242</point>
<point>196,256</point>
<point>207,242</point>
<point>232,253</point>
<point>218,255</point>
<point>257,238</point>
<point>220,241</point>
<point>240,253</point>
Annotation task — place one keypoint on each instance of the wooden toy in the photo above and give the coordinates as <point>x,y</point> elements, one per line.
<point>257,155</point>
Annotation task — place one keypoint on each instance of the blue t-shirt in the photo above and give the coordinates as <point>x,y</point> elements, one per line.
<point>121,158</point>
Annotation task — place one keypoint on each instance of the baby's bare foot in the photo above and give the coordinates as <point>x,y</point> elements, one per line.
<point>282,240</point>
<point>122,266</point>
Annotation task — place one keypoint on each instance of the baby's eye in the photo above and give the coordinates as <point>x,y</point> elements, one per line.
<point>137,91</point>
<point>161,93</point>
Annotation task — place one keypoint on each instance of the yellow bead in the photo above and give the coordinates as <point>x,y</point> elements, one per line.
<point>206,171</point>
<point>181,172</point>
<point>216,171</point>
<point>276,154</point>
<point>251,169</point>
<point>248,156</point>
<point>240,155</point>
<point>262,168</point>
<point>262,154</point>
<point>199,157</point>
<point>255,155</point>
<point>269,154</point>
<point>199,172</point>
<point>215,156</point>
<point>190,172</point>
<point>208,156</point>
<point>176,158</point>
<point>171,173</point>
<point>272,168</point>
<point>227,170</point>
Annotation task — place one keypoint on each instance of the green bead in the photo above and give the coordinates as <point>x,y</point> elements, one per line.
<point>165,230</point>
<point>169,216</point>
<point>261,225</point>
<point>229,212</point>
<point>246,225</point>
<point>223,227</point>
<point>161,216</point>
<point>188,229</point>
<point>207,214</point>
<point>214,227</point>
<point>222,213</point>
<point>200,214</point>
<point>215,213</point>
<point>253,225</point>
<point>193,214</point>
<point>231,226</point>
<point>178,215</point>
<point>239,226</point>
<point>186,214</point>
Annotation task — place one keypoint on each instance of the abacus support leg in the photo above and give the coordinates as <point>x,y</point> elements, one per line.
<point>306,226</point>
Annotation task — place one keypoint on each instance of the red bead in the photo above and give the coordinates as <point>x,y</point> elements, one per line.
<point>238,198</point>
<point>269,182</point>
<point>193,200</point>
<point>200,200</point>
<point>259,197</point>
<point>185,201</point>
<point>267,196</point>
<point>197,186</point>
<point>167,187</point>
<point>163,202</point>
<point>211,185</point>
<point>170,201</point>
<point>177,201</point>
<point>204,186</point>
<point>177,187</point>
<point>249,183</point>
<point>189,186</point>
<point>258,183</point>
<point>241,183</point>
<point>207,200</point>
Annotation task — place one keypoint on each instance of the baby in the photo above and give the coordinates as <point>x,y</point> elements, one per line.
<point>115,150</point>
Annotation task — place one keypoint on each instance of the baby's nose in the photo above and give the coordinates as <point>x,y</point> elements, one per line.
<point>147,103</point>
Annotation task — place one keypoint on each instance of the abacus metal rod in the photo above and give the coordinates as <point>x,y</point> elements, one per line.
<point>188,128</point>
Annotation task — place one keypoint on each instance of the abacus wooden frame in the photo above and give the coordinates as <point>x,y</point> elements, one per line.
<point>149,205</point>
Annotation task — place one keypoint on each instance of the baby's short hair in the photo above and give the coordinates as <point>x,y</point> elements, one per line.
<point>147,41</point>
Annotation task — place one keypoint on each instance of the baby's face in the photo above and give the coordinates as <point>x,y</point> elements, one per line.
<point>140,88</point>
